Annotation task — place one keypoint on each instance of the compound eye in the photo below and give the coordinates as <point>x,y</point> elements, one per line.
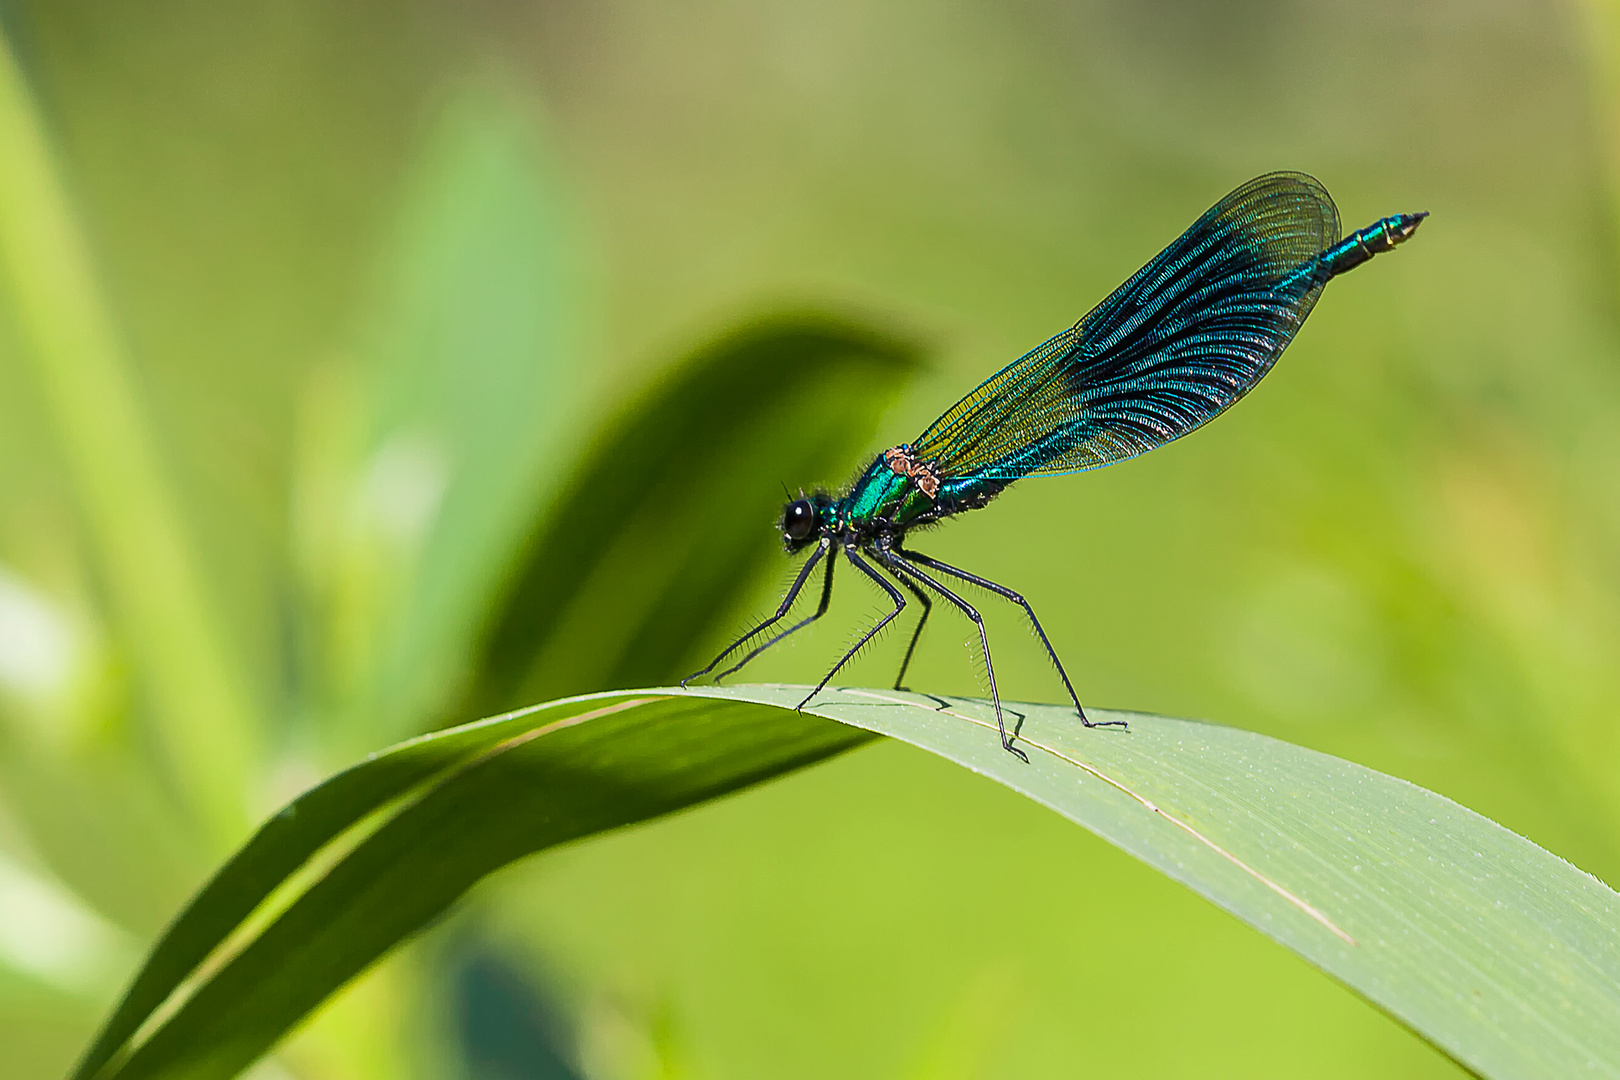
<point>798,520</point>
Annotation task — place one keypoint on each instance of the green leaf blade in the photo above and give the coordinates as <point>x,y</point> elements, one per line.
<point>467,801</point>
<point>1496,951</point>
<point>1499,953</point>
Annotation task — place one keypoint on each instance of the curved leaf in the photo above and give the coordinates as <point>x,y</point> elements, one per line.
<point>1498,952</point>
<point>659,530</point>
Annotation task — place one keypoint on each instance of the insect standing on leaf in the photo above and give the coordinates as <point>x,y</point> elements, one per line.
<point>1188,335</point>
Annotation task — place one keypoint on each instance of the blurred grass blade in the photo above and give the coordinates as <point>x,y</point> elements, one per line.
<point>203,716</point>
<point>418,480</point>
<point>1601,43</point>
<point>1500,954</point>
<point>660,531</point>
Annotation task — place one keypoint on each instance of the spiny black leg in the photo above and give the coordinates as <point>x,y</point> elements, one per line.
<point>928,609</point>
<point>821,609</point>
<point>899,605</point>
<point>900,566</point>
<point>787,602</point>
<point>1003,591</point>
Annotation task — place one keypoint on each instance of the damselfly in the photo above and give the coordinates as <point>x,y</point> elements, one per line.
<point>1188,335</point>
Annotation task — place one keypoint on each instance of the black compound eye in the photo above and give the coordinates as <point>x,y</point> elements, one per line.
<point>798,520</point>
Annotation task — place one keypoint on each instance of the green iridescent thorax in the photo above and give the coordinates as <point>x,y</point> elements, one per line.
<point>882,494</point>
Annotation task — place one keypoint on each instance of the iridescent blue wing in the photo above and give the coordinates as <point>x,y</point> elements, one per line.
<point>1189,334</point>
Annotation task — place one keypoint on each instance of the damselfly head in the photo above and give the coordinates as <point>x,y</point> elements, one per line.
<point>798,522</point>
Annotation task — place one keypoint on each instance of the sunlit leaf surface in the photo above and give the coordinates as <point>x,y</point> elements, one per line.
<point>1501,954</point>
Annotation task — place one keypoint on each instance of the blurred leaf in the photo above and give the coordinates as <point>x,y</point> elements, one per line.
<point>661,530</point>
<point>509,1027</point>
<point>110,832</point>
<point>202,713</point>
<point>1496,951</point>
<point>48,933</point>
<point>419,470</point>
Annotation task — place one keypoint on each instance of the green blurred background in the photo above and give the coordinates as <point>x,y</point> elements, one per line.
<point>377,280</point>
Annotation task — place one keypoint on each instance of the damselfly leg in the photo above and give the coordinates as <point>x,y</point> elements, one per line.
<point>781,611</point>
<point>899,605</point>
<point>920,559</point>
<point>928,609</point>
<point>821,609</point>
<point>904,569</point>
